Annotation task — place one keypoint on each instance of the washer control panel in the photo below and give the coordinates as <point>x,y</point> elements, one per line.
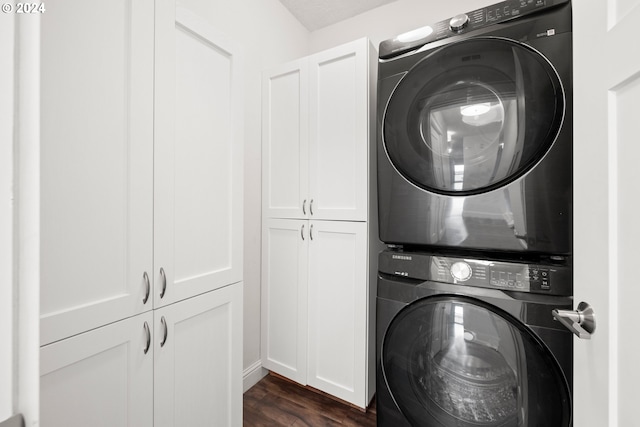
<point>507,275</point>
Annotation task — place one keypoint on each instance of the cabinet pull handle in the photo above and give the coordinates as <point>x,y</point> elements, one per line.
<point>166,331</point>
<point>304,207</point>
<point>311,232</point>
<point>148,332</point>
<point>311,207</point>
<point>164,282</point>
<point>145,276</point>
<point>302,232</point>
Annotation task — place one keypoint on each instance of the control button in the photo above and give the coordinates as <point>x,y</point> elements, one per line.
<point>458,22</point>
<point>545,284</point>
<point>519,284</point>
<point>511,283</point>
<point>461,271</point>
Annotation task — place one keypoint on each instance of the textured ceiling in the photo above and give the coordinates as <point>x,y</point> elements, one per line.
<point>316,14</point>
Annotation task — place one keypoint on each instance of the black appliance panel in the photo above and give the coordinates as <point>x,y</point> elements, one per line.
<point>528,209</point>
<point>473,116</point>
<point>453,360</point>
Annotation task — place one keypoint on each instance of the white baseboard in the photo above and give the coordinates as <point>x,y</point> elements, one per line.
<point>252,375</point>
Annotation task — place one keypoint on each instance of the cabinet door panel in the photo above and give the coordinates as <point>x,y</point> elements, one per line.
<point>285,136</point>
<point>96,163</point>
<point>99,378</point>
<point>339,137</point>
<point>198,369</point>
<point>284,297</point>
<point>198,159</point>
<point>338,303</point>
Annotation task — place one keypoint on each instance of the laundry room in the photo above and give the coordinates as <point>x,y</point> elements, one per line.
<point>318,212</point>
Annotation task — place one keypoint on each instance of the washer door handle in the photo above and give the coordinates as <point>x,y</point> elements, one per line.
<point>582,322</point>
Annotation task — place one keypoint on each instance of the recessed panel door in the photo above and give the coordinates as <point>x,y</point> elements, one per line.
<point>285,246</point>
<point>198,159</point>
<point>338,303</point>
<point>285,135</point>
<point>101,378</point>
<point>198,360</point>
<point>96,164</point>
<point>339,132</point>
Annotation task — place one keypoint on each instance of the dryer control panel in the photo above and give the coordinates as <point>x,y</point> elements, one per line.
<point>506,275</point>
<point>463,23</point>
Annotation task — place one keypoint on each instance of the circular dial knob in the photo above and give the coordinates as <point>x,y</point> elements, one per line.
<point>458,22</point>
<point>461,271</point>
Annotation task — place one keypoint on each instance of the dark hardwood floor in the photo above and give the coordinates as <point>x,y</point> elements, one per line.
<point>275,401</point>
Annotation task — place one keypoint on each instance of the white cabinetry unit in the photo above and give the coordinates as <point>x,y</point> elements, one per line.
<point>319,222</point>
<point>181,368</point>
<point>316,135</point>
<point>96,164</point>
<point>284,304</point>
<point>198,360</point>
<point>285,135</point>
<point>100,378</point>
<point>198,158</point>
<point>141,218</point>
<point>339,292</point>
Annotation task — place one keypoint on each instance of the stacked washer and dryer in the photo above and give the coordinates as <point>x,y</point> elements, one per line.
<point>475,206</point>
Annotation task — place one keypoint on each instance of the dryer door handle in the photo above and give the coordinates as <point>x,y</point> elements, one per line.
<point>582,322</point>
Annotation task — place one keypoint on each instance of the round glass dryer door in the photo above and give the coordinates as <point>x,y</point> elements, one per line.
<point>473,116</point>
<point>455,361</point>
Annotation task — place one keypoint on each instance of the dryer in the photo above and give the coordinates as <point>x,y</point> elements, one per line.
<point>475,131</point>
<point>472,342</point>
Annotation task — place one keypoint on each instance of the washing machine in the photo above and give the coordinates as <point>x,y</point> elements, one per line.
<point>474,132</point>
<point>472,342</point>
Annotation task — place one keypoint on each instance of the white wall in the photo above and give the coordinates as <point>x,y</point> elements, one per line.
<point>6,215</point>
<point>388,21</point>
<point>267,35</point>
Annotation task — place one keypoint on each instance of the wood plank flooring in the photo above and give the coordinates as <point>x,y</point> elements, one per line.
<point>275,401</point>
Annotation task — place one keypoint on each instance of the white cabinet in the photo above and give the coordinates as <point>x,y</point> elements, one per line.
<point>316,126</point>
<point>339,132</point>
<point>319,244</point>
<point>96,164</point>
<point>197,159</point>
<point>338,295</point>
<point>285,247</point>
<point>141,217</point>
<point>177,366</point>
<point>285,135</point>
<point>317,326</point>
<point>198,360</point>
<point>100,378</point>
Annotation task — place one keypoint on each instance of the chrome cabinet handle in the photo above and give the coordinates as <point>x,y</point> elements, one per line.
<point>311,207</point>
<point>166,331</point>
<point>148,332</point>
<point>582,322</point>
<point>311,232</point>
<point>302,231</point>
<point>304,207</point>
<point>164,282</point>
<point>145,276</point>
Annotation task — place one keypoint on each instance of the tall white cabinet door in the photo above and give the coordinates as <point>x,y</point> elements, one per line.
<point>198,360</point>
<point>101,378</point>
<point>96,163</point>
<point>285,133</point>
<point>285,246</point>
<point>338,303</point>
<point>339,132</point>
<point>198,158</point>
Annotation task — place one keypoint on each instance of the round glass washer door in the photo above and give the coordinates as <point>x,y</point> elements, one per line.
<point>473,116</point>
<point>455,361</point>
